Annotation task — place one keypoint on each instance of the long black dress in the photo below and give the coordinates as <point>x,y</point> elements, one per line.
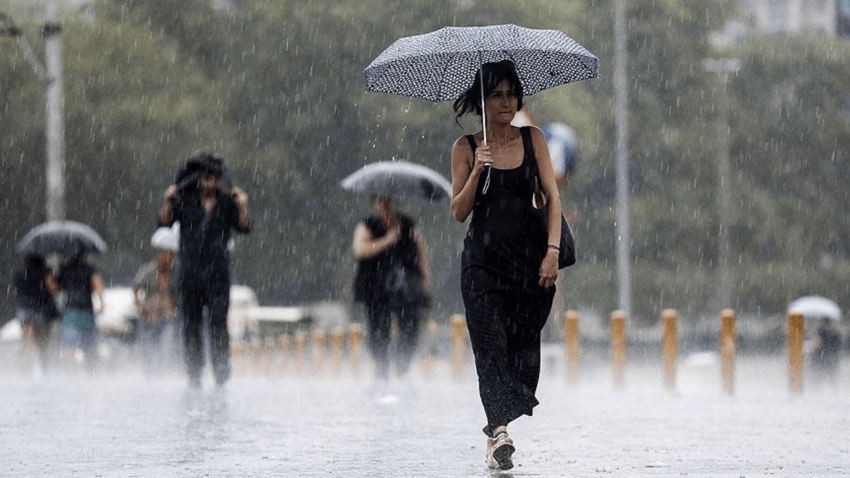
<point>506,309</point>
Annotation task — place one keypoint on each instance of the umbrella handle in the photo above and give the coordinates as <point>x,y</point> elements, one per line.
<point>483,121</point>
<point>483,112</point>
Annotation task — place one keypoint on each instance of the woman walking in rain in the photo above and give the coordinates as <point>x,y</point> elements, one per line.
<point>509,264</point>
<point>393,277</point>
<point>79,279</point>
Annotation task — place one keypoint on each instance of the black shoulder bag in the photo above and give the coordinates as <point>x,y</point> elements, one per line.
<point>567,247</point>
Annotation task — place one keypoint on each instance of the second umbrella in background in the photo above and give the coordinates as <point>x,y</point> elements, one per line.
<point>393,271</point>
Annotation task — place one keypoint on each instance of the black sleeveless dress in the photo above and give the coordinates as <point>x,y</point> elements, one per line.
<point>504,237</point>
<point>394,273</point>
<point>506,308</point>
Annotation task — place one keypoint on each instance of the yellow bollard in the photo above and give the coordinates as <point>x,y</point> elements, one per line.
<point>268,355</point>
<point>337,345</point>
<point>571,344</point>
<point>618,348</point>
<point>300,352</point>
<point>458,324</point>
<point>428,360</point>
<point>355,351</point>
<point>284,352</point>
<point>795,352</point>
<point>237,351</point>
<point>728,344</point>
<point>670,348</point>
<point>256,356</point>
<point>319,339</point>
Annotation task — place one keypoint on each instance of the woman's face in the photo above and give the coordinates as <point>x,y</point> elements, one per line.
<point>501,103</point>
<point>209,182</point>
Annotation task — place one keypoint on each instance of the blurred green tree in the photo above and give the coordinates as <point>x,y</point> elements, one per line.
<point>278,89</point>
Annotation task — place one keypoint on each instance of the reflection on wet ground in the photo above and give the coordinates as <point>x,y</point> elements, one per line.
<point>120,423</point>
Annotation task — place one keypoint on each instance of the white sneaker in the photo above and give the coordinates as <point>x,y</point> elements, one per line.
<point>499,451</point>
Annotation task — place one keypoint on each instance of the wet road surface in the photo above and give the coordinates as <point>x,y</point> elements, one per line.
<point>120,423</point>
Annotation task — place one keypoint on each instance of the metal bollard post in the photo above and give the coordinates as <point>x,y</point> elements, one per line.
<point>618,348</point>
<point>571,344</point>
<point>337,345</point>
<point>795,352</point>
<point>670,348</point>
<point>728,344</point>
<point>355,350</point>
<point>458,324</point>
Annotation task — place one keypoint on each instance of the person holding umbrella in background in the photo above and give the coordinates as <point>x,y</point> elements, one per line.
<point>508,272</point>
<point>393,278</point>
<point>207,214</point>
<point>393,270</point>
<point>77,278</point>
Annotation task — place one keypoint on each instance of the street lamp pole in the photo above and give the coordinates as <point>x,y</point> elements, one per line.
<point>50,76</point>
<point>55,125</point>
<point>621,118</point>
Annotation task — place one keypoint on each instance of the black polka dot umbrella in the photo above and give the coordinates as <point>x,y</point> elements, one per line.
<point>441,65</point>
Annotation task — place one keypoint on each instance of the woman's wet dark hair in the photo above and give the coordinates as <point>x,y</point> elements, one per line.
<point>494,73</point>
<point>199,164</point>
<point>207,163</point>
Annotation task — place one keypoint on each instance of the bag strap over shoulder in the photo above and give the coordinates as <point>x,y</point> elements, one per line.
<point>538,199</point>
<point>528,147</point>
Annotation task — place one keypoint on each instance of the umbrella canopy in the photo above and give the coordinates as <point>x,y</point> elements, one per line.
<point>441,65</point>
<point>68,238</point>
<point>816,307</point>
<point>400,180</point>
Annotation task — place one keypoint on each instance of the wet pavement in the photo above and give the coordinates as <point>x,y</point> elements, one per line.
<point>119,423</point>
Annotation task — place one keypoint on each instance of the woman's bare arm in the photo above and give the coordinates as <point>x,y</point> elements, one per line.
<point>367,246</point>
<point>466,170</point>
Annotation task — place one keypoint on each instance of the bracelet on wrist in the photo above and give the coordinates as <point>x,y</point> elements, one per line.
<point>554,246</point>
